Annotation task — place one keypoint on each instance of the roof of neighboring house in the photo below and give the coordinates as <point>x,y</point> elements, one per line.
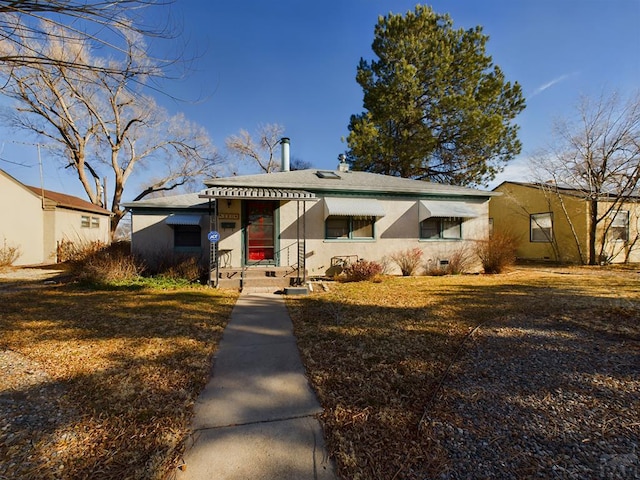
<point>69,201</point>
<point>317,181</point>
<point>57,199</point>
<point>567,190</point>
<point>187,200</point>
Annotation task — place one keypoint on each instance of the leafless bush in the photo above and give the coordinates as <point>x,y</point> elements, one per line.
<point>498,252</point>
<point>362,270</point>
<point>457,262</point>
<point>113,263</point>
<point>69,251</point>
<point>177,266</point>
<point>8,254</point>
<point>408,260</point>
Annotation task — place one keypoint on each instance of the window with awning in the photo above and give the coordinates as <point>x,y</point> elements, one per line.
<point>183,219</point>
<point>446,209</point>
<point>352,207</point>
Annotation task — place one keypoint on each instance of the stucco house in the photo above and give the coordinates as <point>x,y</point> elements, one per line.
<point>309,222</point>
<point>37,221</point>
<point>553,224</point>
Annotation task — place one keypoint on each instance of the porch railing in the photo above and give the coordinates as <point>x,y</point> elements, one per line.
<point>277,257</point>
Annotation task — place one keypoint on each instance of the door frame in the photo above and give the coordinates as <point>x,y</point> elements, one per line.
<point>276,233</point>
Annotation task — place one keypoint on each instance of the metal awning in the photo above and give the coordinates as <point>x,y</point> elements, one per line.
<point>183,220</point>
<point>352,207</point>
<point>446,208</point>
<point>250,193</point>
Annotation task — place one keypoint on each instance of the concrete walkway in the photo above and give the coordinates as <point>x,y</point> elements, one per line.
<point>255,418</point>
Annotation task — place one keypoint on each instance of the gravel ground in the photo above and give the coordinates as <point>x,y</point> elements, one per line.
<point>542,400</point>
<point>31,407</point>
<point>31,404</point>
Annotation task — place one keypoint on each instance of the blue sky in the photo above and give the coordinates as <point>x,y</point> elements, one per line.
<point>293,62</point>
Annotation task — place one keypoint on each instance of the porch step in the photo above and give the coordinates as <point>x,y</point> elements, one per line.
<point>266,279</point>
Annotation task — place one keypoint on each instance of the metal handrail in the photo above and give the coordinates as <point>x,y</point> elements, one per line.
<point>276,259</point>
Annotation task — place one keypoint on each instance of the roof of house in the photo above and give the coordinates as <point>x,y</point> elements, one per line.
<point>68,201</point>
<point>323,181</point>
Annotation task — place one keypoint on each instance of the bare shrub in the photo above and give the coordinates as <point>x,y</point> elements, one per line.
<point>362,270</point>
<point>498,252</point>
<point>8,254</point>
<point>68,251</point>
<point>457,262</point>
<point>408,260</point>
<point>113,263</point>
<point>177,266</point>
<point>184,268</point>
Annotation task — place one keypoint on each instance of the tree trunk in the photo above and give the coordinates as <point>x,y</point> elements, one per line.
<point>593,225</point>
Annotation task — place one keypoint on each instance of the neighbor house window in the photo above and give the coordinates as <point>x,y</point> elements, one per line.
<point>436,228</point>
<point>349,227</point>
<point>541,227</point>
<point>619,229</point>
<point>95,222</point>
<point>186,236</point>
<point>85,221</point>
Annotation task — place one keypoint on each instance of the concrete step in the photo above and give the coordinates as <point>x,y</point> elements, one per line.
<point>264,279</point>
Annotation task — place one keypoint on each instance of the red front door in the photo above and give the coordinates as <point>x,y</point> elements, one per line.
<point>260,231</point>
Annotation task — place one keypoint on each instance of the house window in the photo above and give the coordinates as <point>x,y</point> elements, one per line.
<point>349,227</point>
<point>619,229</point>
<point>541,227</point>
<point>85,221</point>
<point>437,228</point>
<point>95,222</point>
<point>186,236</point>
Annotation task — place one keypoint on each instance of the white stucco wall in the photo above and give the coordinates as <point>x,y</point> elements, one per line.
<point>152,238</point>
<point>21,222</point>
<point>398,230</point>
<point>67,226</point>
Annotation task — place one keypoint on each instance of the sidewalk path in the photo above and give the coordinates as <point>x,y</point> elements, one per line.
<point>255,418</point>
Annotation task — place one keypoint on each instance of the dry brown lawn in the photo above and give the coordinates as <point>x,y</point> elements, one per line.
<point>533,373</point>
<point>101,383</point>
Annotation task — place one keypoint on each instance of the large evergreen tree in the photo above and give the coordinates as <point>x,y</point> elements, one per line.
<point>436,106</point>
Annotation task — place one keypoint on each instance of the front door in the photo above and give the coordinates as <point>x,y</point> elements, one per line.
<point>260,232</point>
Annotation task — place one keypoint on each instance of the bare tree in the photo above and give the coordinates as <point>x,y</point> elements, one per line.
<point>102,122</point>
<point>105,23</point>
<point>597,155</point>
<point>263,151</point>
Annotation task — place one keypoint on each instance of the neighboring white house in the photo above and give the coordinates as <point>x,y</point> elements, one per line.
<point>311,220</point>
<point>37,221</point>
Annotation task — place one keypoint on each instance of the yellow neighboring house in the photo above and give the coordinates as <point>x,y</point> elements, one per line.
<point>553,224</point>
<point>36,221</point>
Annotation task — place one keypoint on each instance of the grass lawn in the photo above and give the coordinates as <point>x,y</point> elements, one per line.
<point>401,368</point>
<point>111,378</point>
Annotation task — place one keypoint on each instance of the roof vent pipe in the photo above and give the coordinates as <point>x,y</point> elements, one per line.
<point>343,166</point>
<point>284,145</point>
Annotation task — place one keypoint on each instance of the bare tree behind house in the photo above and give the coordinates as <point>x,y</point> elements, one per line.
<point>103,122</point>
<point>597,155</point>
<point>262,151</point>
